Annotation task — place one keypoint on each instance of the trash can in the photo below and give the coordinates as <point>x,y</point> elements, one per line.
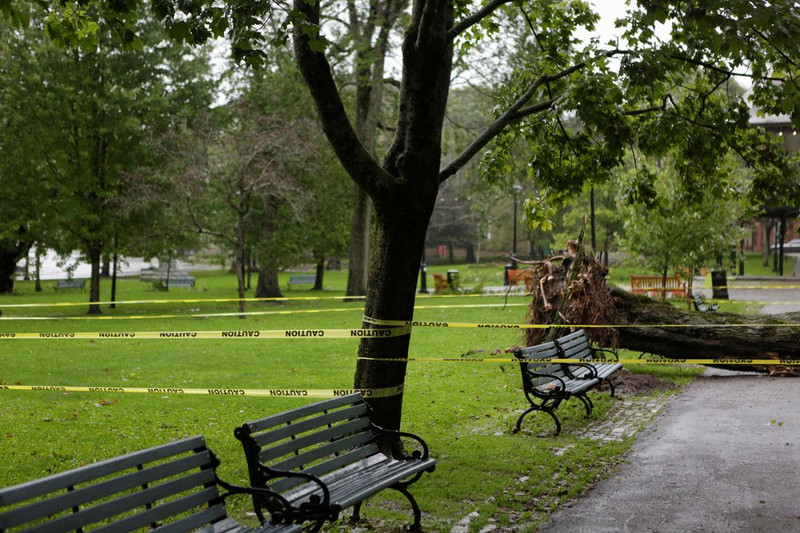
<point>719,285</point>
<point>452,279</point>
<point>506,280</point>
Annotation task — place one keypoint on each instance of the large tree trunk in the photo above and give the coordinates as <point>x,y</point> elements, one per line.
<point>95,257</point>
<point>268,286</point>
<point>396,255</point>
<point>571,291</point>
<point>11,251</point>
<point>359,243</point>
<point>671,332</point>
<point>403,189</point>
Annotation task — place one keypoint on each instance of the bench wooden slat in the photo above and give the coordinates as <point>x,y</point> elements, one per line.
<point>312,441</point>
<point>330,470</point>
<point>289,430</point>
<point>95,492</point>
<point>40,487</point>
<point>300,412</point>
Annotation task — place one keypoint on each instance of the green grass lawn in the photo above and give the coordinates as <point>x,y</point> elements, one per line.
<point>465,411</point>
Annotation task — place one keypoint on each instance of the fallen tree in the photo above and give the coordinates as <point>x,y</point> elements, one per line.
<point>571,289</point>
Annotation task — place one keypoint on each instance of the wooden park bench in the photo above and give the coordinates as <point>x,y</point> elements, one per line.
<point>701,305</point>
<point>520,276</point>
<point>168,488</point>
<point>302,279</point>
<point>654,286</point>
<point>71,284</point>
<point>576,345</point>
<point>324,458</point>
<point>547,384</point>
<point>185,282</point>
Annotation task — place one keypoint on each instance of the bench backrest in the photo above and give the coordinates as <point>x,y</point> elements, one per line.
<point>536,359</point>
<point>316,439</point>
<point>574,345</point>
<point>172,486</point>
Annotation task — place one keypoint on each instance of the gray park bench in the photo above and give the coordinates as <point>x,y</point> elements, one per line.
<point>302,279</point>
<point>324,458</point>
<point>547,384</point>
<point>701,305</point>
<point>71,284</point>
<point>187,282</point>
<point>168,488</point>
<point>600,362</point>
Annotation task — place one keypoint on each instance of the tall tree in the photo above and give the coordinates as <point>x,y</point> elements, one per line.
<point>89,107</point>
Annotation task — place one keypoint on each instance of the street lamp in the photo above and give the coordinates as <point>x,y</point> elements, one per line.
<point>517,189</point>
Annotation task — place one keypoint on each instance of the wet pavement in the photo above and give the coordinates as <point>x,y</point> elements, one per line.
<point>723,456</point>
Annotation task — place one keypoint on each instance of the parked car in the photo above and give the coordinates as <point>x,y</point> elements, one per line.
<point>791,247</point>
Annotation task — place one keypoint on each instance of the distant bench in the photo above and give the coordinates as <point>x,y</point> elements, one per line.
<point>71,284</point>
<point>653,286</point>
<point>547,384</point>
<point>324,457</point>
<point>523,276</point>
<point>169,488</point>
<point>302,279</point>
<point>185,282</point>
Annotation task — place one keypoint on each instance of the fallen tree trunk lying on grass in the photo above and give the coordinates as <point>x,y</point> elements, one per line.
<point>571,290</point>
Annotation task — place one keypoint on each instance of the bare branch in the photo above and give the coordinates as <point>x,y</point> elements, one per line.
<point>514,113</point>
<point>475,18</point>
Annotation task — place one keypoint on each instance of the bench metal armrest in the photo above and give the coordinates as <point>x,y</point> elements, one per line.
<point>315,502</point>
<point>613,355</point>
<point>416,454</point>
<point>551,376</point>
<point>588,366</point>
<point>280,510</point>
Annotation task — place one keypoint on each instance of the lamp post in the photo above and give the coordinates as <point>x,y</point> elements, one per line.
<point>517,189</point>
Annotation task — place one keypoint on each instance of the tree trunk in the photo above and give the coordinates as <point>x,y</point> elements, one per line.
<point>706,335</point>
<point>95,257</point>
<point>268,286</point>
<point>565,298</point>
<point>766,226</point>
<point>320,273</point>
<point>471,254</point>
<point>359,244</point>
<point>9,255</point>
<point>394,264</point>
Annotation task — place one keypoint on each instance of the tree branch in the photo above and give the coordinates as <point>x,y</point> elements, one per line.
<point>475,18</point>
<point>316,70</point>
<point>514,113</point>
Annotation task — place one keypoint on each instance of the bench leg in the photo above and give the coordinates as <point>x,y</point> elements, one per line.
<point>587,403</point>
<point>610,385</point>
<point>401,488</point>
<point>531,409</point>
<point>356,516</point>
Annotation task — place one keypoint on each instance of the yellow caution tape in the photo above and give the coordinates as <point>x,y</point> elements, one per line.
<point>228,300</point>
<point>443,324</point>
<point>647,361</point>
<point>274,393</point>
<point>246,313</point>
<point>232,334</point>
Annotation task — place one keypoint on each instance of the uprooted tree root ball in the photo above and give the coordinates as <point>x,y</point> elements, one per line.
<point>570,289</point>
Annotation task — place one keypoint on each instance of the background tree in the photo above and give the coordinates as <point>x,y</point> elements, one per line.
<point>89,108</point>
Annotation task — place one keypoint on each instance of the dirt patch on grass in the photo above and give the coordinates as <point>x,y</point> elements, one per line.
<point>630,384</point>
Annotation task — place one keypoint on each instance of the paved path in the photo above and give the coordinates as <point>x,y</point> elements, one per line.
<point>721,458</point>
